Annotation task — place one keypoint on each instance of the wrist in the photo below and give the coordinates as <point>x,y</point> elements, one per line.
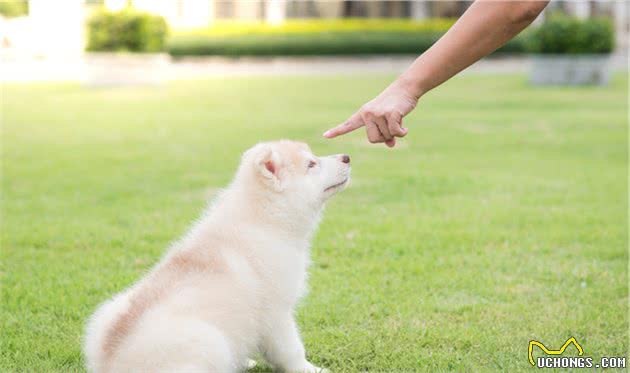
<point>412,85</point>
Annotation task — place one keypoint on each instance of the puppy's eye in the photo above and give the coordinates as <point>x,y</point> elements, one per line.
<point>312,164</point>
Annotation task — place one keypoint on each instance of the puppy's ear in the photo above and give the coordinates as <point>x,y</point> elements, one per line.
<point>267,163</point>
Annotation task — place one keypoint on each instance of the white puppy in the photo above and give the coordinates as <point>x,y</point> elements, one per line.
<point>228,288</point>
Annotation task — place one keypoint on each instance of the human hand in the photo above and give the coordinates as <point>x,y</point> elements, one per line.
<point>382,117</point>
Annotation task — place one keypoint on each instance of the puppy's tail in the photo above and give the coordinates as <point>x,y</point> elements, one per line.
<point>96,331</point>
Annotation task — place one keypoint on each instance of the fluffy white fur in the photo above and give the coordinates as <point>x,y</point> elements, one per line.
<point>227,289</point>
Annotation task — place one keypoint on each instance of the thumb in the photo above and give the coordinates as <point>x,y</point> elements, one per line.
<point>350,125</point>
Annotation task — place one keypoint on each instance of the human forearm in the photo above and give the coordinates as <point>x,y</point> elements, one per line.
<point>483,28</point>
<point>486,25</point>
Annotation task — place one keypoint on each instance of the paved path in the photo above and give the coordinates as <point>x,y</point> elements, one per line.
<point>217,66</point>
<point>26,69</point>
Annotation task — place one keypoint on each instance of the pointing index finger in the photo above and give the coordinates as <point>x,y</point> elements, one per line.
<point>350,125</point>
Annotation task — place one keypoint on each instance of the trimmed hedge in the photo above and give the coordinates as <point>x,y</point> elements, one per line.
<point>310,26</point>
<point>310,37</point>
<point>329,43</point>
<point>567,35</point>
<point>126,30</point>
<point>317,37</point>
<point>14,8</point>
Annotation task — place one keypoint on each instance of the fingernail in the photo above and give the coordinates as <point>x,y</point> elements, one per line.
<point>326,134</point>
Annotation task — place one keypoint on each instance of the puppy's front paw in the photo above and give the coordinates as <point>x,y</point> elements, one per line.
<point>310,368</point>
<point>250,364</point>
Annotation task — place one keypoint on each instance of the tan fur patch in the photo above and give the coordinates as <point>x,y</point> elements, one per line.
<point>161,283</point>
<point>123,325</point>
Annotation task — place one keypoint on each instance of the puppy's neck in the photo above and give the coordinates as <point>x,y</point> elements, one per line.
<point>242,206</point>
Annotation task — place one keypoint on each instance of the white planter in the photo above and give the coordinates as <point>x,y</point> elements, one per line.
<point>566,69</point>
<point>116,69</point>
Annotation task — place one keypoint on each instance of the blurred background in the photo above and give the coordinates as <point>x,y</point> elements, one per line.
<point>71,39</point>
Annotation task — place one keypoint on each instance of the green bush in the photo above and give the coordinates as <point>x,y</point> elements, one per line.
<point>567,35</point>
<point>127,30</point>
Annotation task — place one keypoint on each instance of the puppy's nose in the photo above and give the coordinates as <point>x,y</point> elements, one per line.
<point>345,158</point>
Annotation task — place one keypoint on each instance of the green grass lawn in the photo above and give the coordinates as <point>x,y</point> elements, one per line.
<point>499,219</point>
